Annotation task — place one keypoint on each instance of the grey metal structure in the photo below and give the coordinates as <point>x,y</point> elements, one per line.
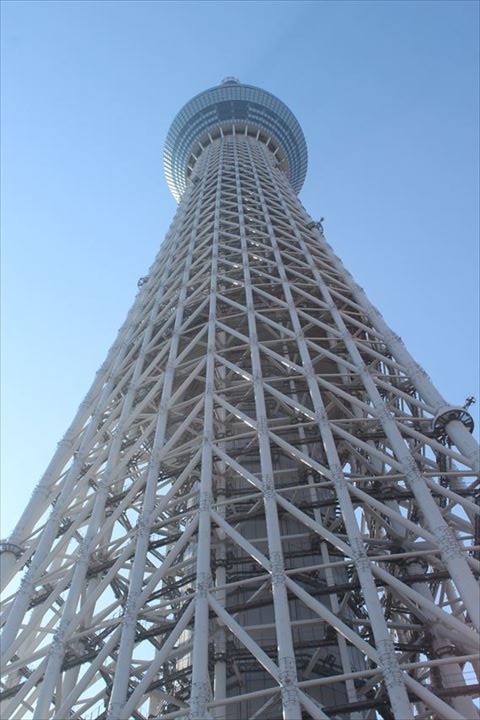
<point>263,508</point>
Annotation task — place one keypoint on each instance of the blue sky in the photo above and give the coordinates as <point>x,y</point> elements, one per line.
<point>386,93</point>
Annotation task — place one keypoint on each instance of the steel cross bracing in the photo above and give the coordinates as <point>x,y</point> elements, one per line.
<point>263,508</point>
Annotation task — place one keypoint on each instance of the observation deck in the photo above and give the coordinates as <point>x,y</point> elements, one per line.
<point>233,108</point>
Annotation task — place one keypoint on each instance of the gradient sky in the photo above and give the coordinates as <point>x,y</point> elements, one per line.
<point>387,96</point>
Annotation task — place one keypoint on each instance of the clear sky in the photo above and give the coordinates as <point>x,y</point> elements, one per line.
<point>386,93</point>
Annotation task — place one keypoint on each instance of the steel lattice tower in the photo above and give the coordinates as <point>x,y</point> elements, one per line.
<point>263,507</point>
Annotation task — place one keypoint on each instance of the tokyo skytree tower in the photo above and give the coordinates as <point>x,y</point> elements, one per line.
<point>263,507</point>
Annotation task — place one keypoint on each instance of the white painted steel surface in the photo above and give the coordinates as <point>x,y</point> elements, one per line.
<point>263,507</point>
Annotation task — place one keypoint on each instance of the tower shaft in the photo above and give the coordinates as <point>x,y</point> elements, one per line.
<point>263,508</point>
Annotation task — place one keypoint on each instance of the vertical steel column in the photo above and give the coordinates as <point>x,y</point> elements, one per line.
<point>220,650</point>
<point>201,691</point>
